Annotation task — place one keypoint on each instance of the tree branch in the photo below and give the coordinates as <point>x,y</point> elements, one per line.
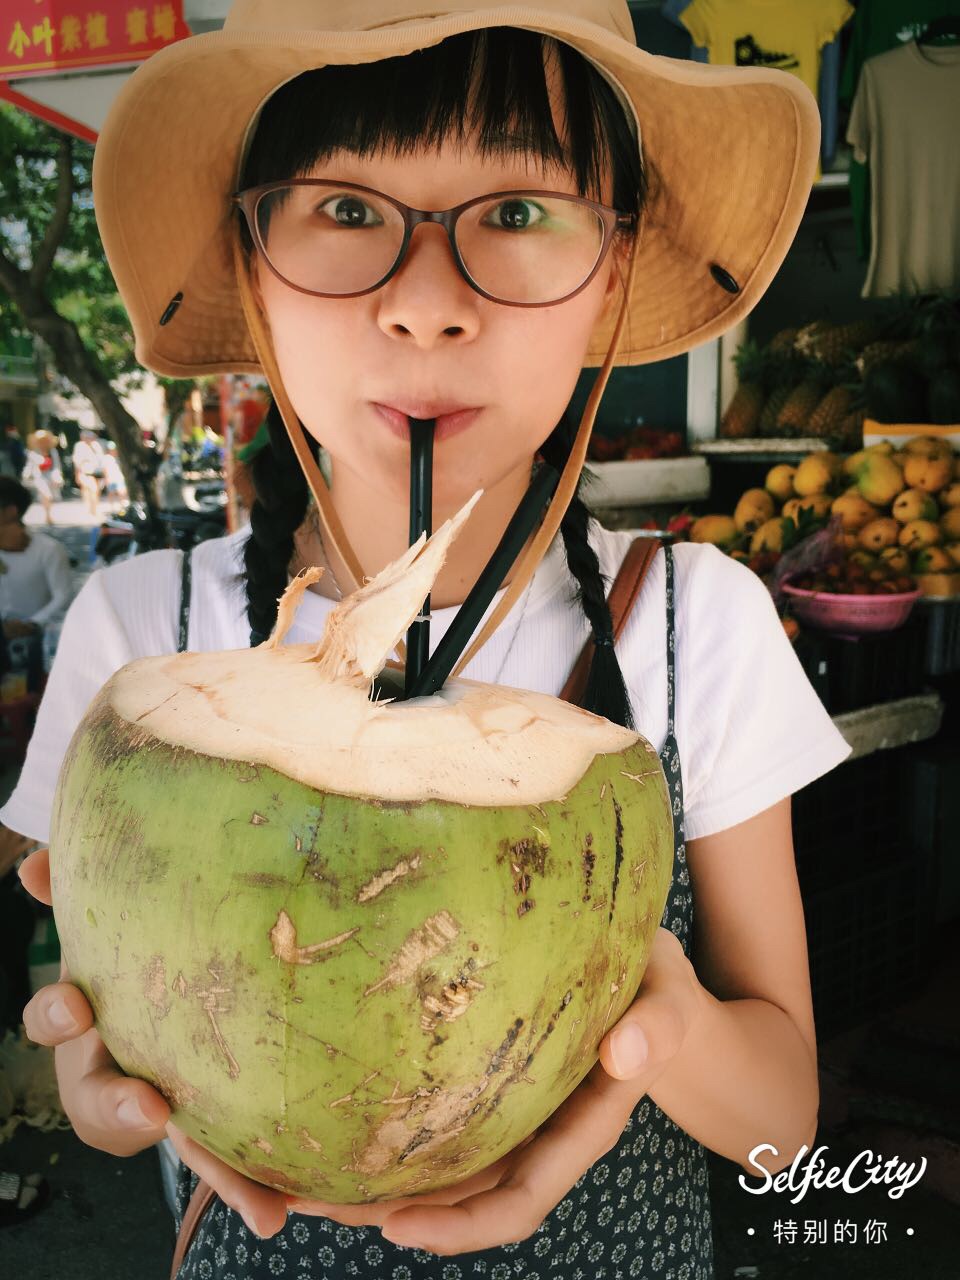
<point>12,279</point>
<point>57,225</point>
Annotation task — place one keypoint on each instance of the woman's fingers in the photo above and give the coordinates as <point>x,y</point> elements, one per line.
<point>262,1209</point>
<point>34,875</point>
<point>56,1014</point>
<point>582,1130</point>
<point>108,1110</point>
<point>374,1215</point>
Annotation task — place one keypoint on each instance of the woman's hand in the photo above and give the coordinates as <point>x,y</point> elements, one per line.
<point>508,1201</point>
<point>117,1113</point>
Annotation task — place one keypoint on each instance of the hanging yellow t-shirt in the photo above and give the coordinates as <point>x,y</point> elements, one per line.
<point>785,34</point>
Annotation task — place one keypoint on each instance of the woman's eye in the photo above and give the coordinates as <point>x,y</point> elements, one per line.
<point>350,211</point>
<point>515,215</point>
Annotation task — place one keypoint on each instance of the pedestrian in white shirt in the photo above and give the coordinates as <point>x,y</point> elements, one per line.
<point>88,468</point>
<point>36,580</point>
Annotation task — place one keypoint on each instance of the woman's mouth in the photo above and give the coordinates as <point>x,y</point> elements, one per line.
<point>448,422</point>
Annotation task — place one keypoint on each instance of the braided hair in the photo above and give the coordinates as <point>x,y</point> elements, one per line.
<point>282,496</point>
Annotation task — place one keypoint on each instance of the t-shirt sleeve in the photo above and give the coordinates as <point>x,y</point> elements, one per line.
<point>93,645</point>
<point>697,18</point>
<point>859,129</point>
<point>832,15</point>
<point>751,728</point>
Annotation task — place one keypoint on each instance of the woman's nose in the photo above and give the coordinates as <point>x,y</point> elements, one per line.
<point>428,301</point>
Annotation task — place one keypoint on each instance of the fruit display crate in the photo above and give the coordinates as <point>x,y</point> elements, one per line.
<point>868,943</point>
<point>867,879</point>
<point>854,820</point>
<point>941,617</point>
<point>854,672</point>
<point>645,481</point>
<point>774,448</point>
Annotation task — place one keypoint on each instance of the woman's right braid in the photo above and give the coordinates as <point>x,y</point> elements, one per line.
<point>606,691</point>
<point>279,510</point>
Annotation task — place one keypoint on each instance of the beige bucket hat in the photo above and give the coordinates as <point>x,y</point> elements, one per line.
<point>730,154</point>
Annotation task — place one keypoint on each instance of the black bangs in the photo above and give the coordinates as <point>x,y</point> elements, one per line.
<point>490,83</point>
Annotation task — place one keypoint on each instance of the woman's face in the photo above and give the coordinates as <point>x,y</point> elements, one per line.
<point>427,336</point>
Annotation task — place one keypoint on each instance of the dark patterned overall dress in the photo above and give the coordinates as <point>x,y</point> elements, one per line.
<point>641,1211</point>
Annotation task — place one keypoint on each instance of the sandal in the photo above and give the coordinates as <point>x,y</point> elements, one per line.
<point>21,1198</point>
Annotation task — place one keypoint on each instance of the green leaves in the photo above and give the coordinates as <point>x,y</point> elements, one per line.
<point>78,284</point>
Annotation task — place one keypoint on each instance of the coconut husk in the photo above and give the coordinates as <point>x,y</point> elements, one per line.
<point>28,1087</point>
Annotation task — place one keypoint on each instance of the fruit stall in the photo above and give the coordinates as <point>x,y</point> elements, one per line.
<point>834,474</point>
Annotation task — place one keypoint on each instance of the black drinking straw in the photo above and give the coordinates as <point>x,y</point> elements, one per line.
<point>421,521</point>
<point>521,525</point>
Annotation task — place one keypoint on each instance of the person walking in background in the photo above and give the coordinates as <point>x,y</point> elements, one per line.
<point>114,485</point>
<point>88,468</point>
<point>42,470</point>
<point>36,579</point>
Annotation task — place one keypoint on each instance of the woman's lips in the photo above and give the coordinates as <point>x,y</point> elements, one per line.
<point>447,424</point>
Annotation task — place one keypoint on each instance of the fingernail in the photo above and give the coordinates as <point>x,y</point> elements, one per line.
<point>252,1227</point>
<point>629,1049</point>
<point>60,1016</point>
<point>129,1114</point>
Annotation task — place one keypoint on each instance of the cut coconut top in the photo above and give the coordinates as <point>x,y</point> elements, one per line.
<point>305,709</point>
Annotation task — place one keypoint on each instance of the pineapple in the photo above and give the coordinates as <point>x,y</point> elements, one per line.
<point>830,412</point>
<point>771,410</point>
<point>850,431</point>
<point>793,418</point>
<point>833,344</point>
<point>883,352</point>
<point>781,343</point>
<point>742,415</point>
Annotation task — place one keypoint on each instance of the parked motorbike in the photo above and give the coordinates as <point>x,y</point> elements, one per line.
<point>140,528</point>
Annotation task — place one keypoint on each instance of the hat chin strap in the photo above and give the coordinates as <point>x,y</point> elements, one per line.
<point>332,530</point>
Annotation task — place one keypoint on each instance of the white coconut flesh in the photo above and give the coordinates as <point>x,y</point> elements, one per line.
<point>473,743</point>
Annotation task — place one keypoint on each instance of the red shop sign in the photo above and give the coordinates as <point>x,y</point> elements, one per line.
<point>41,36</point>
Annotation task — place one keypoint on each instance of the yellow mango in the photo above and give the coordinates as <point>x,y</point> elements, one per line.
<point>879,533</point>
<point>879,479</point>
<point>755,506</point>
<point>720,530</point>
<point>853,510</point>
<point>915,504</point>
<point>929,474</point>
<point>920,533</point>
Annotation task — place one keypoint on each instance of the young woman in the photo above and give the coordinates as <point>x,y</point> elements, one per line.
<point>42,471</point>
<point>591,182</point>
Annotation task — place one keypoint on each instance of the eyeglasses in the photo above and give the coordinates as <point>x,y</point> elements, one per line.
<point>340,240</point>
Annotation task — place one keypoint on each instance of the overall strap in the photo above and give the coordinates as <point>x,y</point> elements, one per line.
<point>622,597</point>
<point>201,1200</point>
<point>671,646</point>
<point>184,603</point>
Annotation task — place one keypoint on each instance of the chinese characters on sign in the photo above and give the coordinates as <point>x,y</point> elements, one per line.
<point>819,1231</point>
<point>40,36</point>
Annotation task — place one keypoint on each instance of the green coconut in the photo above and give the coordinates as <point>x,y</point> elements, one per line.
<point>363,946</point>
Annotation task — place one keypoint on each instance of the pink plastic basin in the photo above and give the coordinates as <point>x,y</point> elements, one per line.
<point>852,615</point>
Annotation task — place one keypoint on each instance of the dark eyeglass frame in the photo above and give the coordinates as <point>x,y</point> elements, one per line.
<point>613,220</point>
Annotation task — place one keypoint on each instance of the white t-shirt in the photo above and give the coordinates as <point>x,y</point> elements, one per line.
<point>36,584</point>
<point>750,727</point>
